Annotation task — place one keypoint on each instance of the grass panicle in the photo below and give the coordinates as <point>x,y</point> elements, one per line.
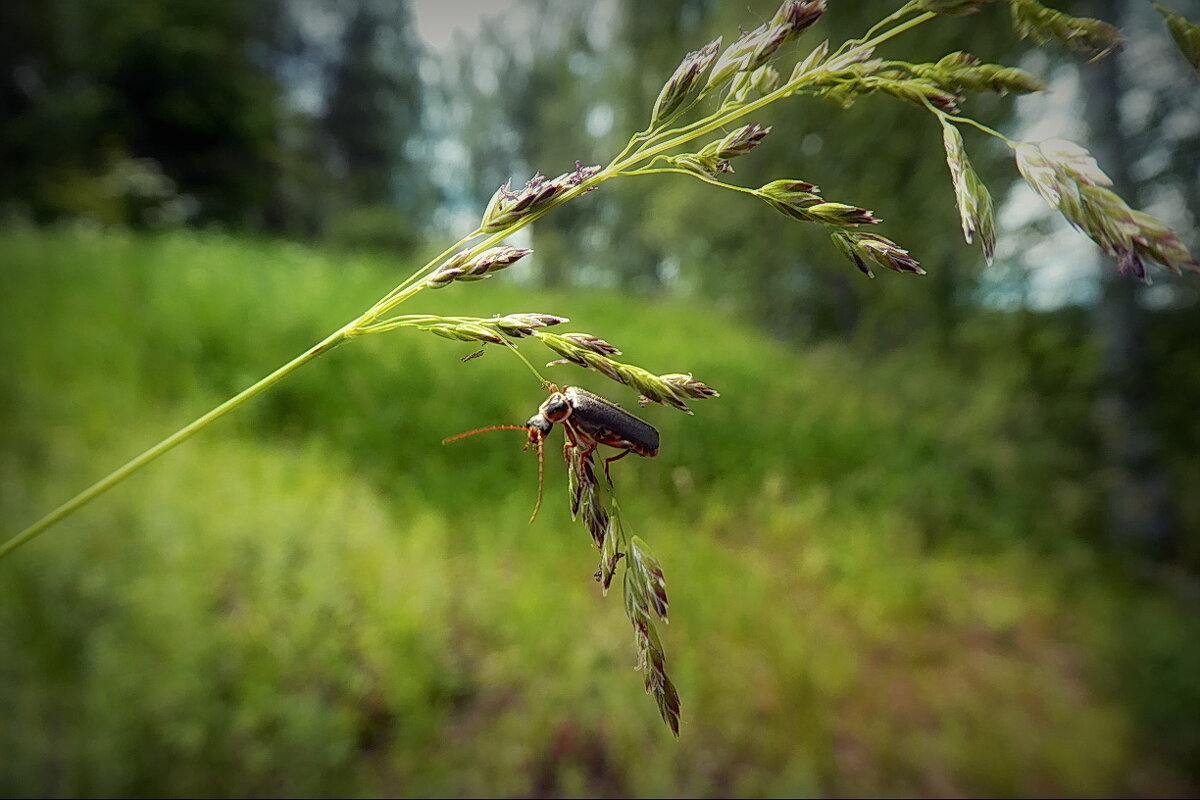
<point>644,585</point>
<point>507,208</point>
<point>645,600</point>
<point>683,84</point>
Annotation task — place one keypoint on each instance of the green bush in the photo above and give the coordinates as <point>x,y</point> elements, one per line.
<point>880,568</point>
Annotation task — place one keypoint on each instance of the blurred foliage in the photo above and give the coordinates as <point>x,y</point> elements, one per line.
<point>380,228</point>
<point>90,82</point>
<point>881,573</point>
<point>255,117</point>
<point>887,563</point>
<point>373,113</point>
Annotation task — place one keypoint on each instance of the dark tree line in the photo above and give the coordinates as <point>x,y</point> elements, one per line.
<point>240,112</point>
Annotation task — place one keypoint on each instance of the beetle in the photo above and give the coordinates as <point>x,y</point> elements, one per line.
<point>588,420</point>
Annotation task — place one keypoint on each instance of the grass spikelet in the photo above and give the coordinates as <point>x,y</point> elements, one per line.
<point>972,197</point>
<point>672,389</point>
<point>1069,179</point>
<point>1185,34</point>
<point>1035,21</point>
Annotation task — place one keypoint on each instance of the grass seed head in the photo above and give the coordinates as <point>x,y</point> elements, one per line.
<point>585,495</point>
<point>462,267</point>
<point>1185,34</point>
<point>522,325</point>
<point>593,343</point>
<point>645,599</point>
<point>1033,20</point>
<point>690,386</point>
<point>684,81</point>
<point>1069,179</point>
<point>507,207</point>
<point>864,249</point>
<point>970,194</point>
<point>738,143</point>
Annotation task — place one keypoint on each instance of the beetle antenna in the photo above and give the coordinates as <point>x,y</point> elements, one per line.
<point>538,506</point>
<point>485,430</point>
<point>535,436</point>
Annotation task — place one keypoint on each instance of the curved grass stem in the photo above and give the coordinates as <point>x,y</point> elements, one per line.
<point>690,174</point>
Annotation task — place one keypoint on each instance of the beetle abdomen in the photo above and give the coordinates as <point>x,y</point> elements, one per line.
<point>610,424</point>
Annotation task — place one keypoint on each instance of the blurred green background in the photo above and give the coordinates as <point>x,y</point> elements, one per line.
<point>938,536</point>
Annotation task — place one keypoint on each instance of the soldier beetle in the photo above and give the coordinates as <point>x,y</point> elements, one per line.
<point>588,420</point>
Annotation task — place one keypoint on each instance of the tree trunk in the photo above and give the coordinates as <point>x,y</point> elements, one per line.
<point>1141,516</point>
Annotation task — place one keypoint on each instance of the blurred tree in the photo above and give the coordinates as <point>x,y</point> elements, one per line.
<point>374,108</point>
<point>650,41</point>
<point>112,107</point>
<point>1158,144</point>
<point>526,98</point>
<point>185,83</point>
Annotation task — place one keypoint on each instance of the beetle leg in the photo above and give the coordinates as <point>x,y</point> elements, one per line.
<point>608,461</point>
<point>571,440</point>
<point>581,441</point>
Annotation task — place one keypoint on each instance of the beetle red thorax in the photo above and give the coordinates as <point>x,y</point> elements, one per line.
<point>556,409</point>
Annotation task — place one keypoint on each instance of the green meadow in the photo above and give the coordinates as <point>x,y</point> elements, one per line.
<point>885,566</point>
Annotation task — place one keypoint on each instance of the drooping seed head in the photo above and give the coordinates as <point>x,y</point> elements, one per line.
<point>1033,20</point>
<point>645,600</point>
<point>863,249</point>
<point>970,194</point>
<point>1068,178</point>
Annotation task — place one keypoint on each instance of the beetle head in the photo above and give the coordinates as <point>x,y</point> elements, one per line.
<point>539,427</point>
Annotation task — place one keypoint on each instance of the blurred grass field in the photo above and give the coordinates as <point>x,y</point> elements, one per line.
<point>883,575</point>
